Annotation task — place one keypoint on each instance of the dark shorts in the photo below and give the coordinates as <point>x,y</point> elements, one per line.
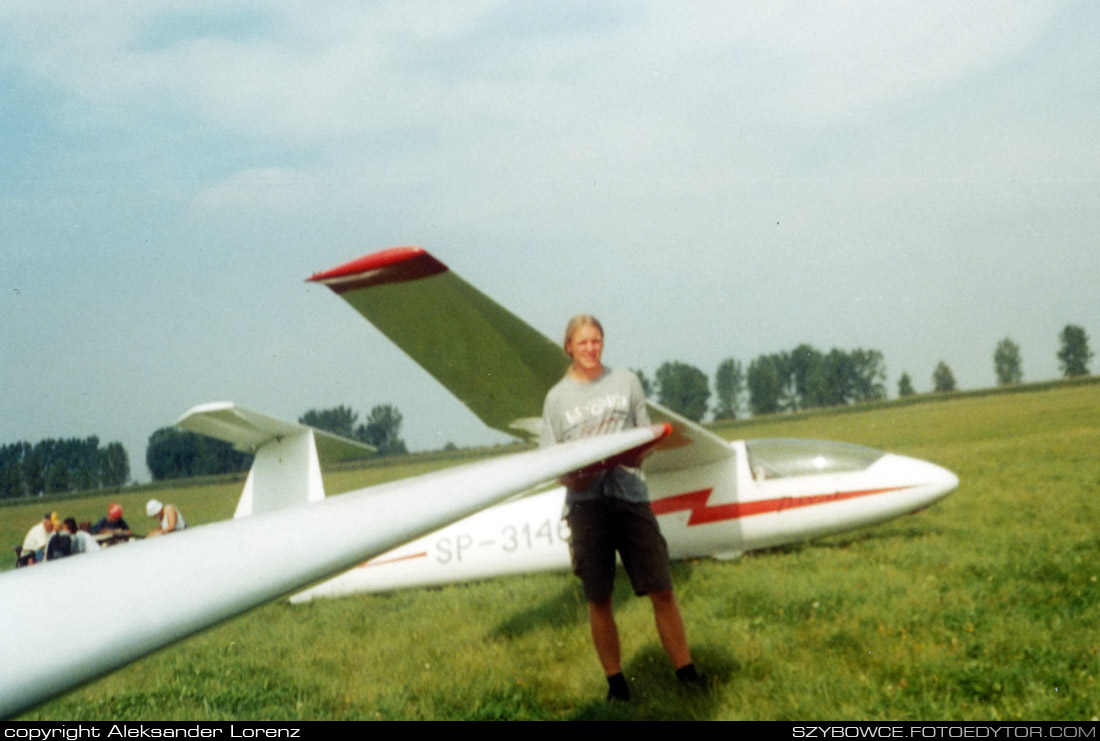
<point>601,527</point>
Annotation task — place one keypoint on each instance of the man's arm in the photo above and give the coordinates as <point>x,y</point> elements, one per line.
<point>169,518</point>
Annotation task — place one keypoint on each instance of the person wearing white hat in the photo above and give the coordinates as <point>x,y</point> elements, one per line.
<point>166,515</point>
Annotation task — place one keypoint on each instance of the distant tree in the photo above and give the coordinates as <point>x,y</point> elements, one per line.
<point>868,375</point>
<point>58,477</point>
<point>942,378</point>
<point>729,384</point>
<point>34,467</point>
<point>765,384</point>
<point>338,420</point>
<point>684,389</point>
<point>905,386</point>
<point>803,377</point>
<point>647,385</point>
<point>1075,355</point>
<point>175,454</point>
<point>14,459</point>
<point>382,430</point>
<point>115,466</point>
<point>1007,363</point>
<point>833,383</point>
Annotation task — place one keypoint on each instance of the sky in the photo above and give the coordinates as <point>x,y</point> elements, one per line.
<point>710,179</point>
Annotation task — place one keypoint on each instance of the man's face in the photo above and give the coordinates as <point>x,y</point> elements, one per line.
<point>49,524</point>
<point>586,347</point>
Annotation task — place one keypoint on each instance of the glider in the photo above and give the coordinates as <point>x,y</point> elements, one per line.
<point>712,497</point>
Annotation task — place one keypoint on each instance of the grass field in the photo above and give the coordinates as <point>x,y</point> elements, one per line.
<point>985,606</point>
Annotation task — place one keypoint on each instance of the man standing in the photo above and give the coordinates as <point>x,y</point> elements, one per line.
<point>609,511</point>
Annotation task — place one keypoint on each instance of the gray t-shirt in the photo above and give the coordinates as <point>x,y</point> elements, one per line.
<point>575,410</point>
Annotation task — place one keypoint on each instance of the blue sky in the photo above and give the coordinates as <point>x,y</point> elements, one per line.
<point>711,179</point>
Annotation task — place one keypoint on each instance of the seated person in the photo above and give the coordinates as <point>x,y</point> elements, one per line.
<point>82,541</point>
<point>167,516</point>
<point>34,545</point>
<point>112,523</point>
<point>60,545</point>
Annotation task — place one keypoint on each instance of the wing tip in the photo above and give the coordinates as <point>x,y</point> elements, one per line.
<point>393,265</point>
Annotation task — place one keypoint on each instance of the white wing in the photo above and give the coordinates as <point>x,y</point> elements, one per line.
<point>203,575</point>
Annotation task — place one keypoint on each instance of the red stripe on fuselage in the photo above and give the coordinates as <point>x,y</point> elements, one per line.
<point>388,266</point>
<point>395,559</point>
<point>695,502</point>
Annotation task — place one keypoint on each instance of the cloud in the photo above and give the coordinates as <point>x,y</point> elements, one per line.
<point>291,71</point>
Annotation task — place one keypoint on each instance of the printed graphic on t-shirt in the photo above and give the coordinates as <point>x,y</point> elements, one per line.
<point>597,416</point>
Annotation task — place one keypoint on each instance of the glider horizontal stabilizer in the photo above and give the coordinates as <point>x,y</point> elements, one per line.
<point>286,468</point>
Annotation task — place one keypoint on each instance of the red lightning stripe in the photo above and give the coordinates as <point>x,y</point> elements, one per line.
<point>395,559</point>
<point>696,503</point>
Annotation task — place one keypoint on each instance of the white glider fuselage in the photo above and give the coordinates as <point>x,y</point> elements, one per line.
<point>718,509</point>
<point>711,497</point>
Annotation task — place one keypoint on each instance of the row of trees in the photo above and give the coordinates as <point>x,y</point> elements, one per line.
<point>173,453</point>
<point>801,379</point>
<point>382,428</point>
<point>806,378</point>
<point>1073,358</point>
<point>61,465</point>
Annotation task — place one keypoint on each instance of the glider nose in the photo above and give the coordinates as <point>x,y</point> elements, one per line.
<point>936,481</point>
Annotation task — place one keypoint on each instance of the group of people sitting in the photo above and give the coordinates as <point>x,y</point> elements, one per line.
<point>54,538</point>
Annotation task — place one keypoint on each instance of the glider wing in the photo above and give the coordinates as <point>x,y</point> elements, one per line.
<point>203,575</point>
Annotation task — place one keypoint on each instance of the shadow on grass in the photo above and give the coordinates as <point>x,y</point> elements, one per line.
<point>656,694</point>
<point>559,609</point>
<point>567,606</point>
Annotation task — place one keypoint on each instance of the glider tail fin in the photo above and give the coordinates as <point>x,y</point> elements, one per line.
<point>286,469</point>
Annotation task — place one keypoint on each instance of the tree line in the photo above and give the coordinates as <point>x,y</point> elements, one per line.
<point>806,378</point>
<point>173,453</point>
<point>382,428</point>
<point>59,465</point>
<point>803,378</point>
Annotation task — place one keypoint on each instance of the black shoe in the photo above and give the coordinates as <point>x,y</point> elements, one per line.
<point>617,688</point>
<point>690,678</point>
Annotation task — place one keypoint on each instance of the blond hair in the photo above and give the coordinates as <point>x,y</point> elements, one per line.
<point>580,320</point>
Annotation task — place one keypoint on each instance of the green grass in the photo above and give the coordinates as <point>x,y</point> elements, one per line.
<point>984,606</point>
